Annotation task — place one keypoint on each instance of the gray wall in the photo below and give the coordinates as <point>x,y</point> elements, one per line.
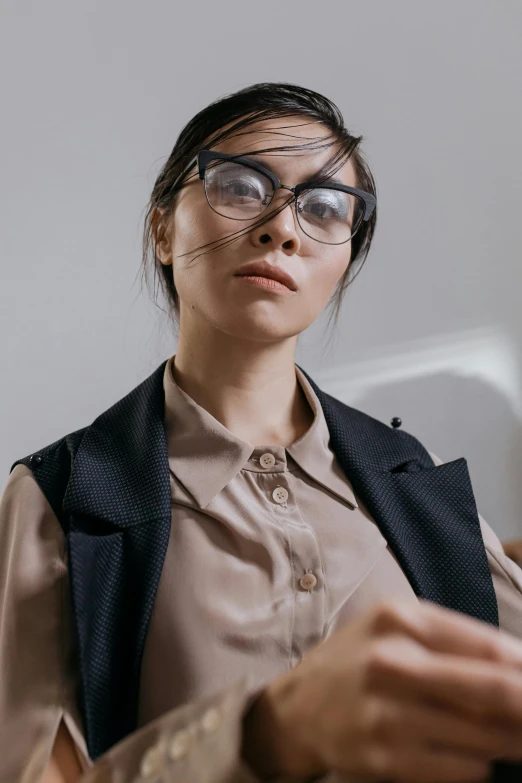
<point>93,96</point>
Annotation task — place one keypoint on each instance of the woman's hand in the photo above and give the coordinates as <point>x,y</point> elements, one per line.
<point>410,694</point>
<point>513,550</point>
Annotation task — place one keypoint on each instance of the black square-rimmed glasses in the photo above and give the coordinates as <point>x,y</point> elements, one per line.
<point>239,188</point>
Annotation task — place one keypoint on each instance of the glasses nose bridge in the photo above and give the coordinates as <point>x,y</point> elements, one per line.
<point>286,187</point>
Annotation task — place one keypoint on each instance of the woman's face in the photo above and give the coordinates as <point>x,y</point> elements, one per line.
<point>210,292</point>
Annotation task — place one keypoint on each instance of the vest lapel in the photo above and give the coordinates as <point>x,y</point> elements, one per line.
<point>118,502</point>
<point>427,514</point>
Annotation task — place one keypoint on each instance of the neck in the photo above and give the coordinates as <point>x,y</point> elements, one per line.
<point>251,388</point>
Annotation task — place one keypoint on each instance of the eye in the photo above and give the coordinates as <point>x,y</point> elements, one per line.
<point>241,188</point>
<point>322,204</point>
<point>237,191</point>
<point>235,184</point>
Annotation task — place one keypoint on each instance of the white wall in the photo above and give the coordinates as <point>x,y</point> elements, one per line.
<point>93,97</point>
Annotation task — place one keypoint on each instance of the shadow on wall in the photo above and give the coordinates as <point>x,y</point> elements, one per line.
<point>461,397</point>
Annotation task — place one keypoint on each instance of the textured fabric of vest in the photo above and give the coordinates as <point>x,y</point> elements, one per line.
<point>108,484</point>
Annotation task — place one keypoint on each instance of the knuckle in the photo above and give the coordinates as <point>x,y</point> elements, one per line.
<point>492,650</point>
<point>379,662</point>
<point>380,720</point>
<point>370,719</point>
<point>385,616</point>
<point>396,616</point>
<point>498,692</point>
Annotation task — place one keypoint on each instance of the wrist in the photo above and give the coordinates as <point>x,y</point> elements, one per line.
<point>258,747</point>
<point>268,744</point>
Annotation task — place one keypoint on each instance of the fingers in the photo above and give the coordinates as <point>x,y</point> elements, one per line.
<point>425,725</point>
<point>414,765</point>
<point>477,688</point>
<point>443,630</point>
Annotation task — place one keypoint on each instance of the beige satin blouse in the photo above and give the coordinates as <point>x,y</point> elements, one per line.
<point>270,552</point>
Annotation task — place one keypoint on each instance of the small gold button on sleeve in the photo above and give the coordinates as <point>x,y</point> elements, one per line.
<point>210,720</point>
<point>179,744</point>
<point>151,762</point>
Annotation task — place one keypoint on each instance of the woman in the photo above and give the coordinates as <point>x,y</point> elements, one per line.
<point>198,585</point>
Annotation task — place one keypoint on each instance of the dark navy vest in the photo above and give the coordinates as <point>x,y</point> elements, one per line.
<point>108,484</point>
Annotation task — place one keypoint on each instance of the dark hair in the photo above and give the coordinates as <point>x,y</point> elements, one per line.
<point>263,101</point>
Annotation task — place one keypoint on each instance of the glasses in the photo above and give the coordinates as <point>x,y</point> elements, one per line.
<point>241,189</point>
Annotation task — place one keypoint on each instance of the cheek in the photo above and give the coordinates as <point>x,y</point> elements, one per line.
<point>197,268</point>
<point>320,285</point>
<point>194,230</point>
<point>189,232</point>
<point>330,270</point>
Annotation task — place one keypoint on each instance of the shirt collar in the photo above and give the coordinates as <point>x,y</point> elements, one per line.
<point>205,456</point>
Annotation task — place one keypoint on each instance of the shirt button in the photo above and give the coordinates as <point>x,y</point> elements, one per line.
<point>179,744</point>
<point>280,495</point>
<point>267,460</point>
<point>210,720</point>
<point>151,762</point>
<point>308,581</point>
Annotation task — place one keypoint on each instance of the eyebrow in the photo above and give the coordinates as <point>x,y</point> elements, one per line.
<point>258,159</point>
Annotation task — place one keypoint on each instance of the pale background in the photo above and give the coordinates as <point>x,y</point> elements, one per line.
<point>93,97</point>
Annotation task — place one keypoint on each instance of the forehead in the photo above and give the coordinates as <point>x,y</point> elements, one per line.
<point>262,138</point>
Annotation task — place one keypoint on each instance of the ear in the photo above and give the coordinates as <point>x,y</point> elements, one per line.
<point>161,236</point>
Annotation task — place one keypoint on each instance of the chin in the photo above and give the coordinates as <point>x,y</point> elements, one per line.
<point>261,330</point>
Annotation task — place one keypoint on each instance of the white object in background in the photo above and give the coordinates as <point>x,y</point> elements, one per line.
<point>488,354</point>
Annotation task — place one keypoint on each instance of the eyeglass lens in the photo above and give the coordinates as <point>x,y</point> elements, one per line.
<point>241,193</point>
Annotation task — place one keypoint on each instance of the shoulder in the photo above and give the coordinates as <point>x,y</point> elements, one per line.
<point>21,494</point>
<point>47,469</point>
<point>31,538</point>
<point>58,452</point>
<point>99,452</point>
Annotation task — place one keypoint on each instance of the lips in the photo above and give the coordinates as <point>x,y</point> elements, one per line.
<point>264,269</point>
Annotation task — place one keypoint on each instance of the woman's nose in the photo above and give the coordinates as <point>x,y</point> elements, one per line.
<point>281,230</point>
